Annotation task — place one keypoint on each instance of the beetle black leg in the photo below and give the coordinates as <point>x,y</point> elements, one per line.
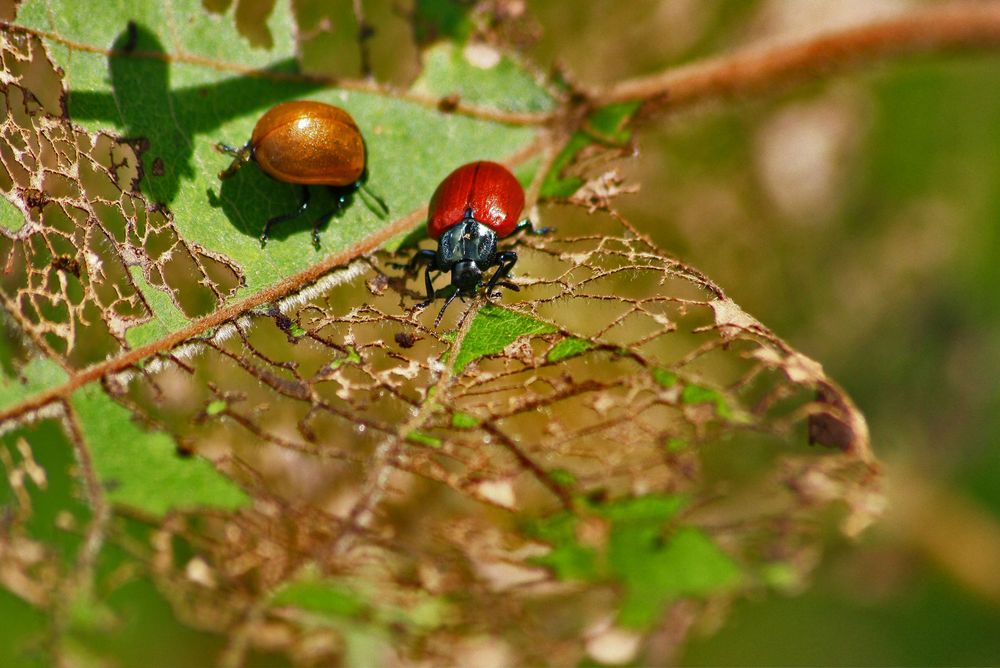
<point>527,227</point>
<point>320,219</point>
<point>505,261</point>
<point>341,195</point>
<point>303,205</point>
<point>423,256</point>
<point>429,285</point>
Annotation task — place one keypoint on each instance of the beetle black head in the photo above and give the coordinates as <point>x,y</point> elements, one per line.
<point>465,276</point>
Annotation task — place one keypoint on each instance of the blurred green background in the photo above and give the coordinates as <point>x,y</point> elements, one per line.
<point>857,216</point>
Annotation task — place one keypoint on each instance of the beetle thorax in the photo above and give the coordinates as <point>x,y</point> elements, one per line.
<point>468,240</point>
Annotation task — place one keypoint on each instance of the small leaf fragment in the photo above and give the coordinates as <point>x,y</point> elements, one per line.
<point>352,357</point>
<point>606,125</point>
<point>562,477</point>
<point>609,124</point>
<point>665,378</point>
<point>653,561</point>
<point>676,444</point>
<point>421,438</point>
<point>460,420</point>
<point>697,394</point>
<point>657,570</point>
<point>493,329</point>
<point>648,508</point>
<point>321,596</point>
<point>568,348</point>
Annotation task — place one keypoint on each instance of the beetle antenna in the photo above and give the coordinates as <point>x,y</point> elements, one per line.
<point>447,303</point>
<point>241,155</point>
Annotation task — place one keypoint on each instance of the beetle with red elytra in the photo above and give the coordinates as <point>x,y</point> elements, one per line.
<point>473,207</point>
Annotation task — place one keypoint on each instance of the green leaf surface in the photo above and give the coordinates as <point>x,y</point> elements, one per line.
<point>651,508</point>
<point>665,378</point>
<point>697,394</point>
<point>351,357</point>
<point>450,70</point>
<point>493,329</point>
<point>606,125</point>
<point>46,488</point>
<point>461,420</point>
<point>181,109</point>
<point>11,217</point>
<point>342,601</point>
<point>141,468</point>
<point>438,19</point>
<point>568,348</point>
<point>323,597</point>
<point>676,444</point>
<point>36,376</point>
<point>654,561</point>
<point>568,559</point>
<point>23,633</point>
<point>562,477</point>
<point>168,316</point>
<point>422,438</point>
<point>656,569</point>
<point>556,185</point>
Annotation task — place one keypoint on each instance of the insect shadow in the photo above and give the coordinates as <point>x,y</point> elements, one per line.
<point>298,210</point>
<point>165,124</point>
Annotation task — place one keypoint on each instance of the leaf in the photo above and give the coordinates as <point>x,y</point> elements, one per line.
<point>449,70</point>
<point>23,632</point>
<point>142,469</point>
<point>653,564</point>
<point>37,375</point>
<point>695,394</point>
<point>492,330</point>
<point>183,111</point>
<point>568,348</point>
<point>368,481</point>
<point>657,570</point>
<point>606,125</point>
<point>437,19</point>
<point>653,508</point>
<point>461,420</point>
<point>326,598</point>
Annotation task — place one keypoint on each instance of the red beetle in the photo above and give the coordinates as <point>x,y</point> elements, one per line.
<point>474,206</point>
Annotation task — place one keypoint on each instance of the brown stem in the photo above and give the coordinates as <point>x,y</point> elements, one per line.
<point>280,289</point>
<point>950,26</point>
<point>215,319</point>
